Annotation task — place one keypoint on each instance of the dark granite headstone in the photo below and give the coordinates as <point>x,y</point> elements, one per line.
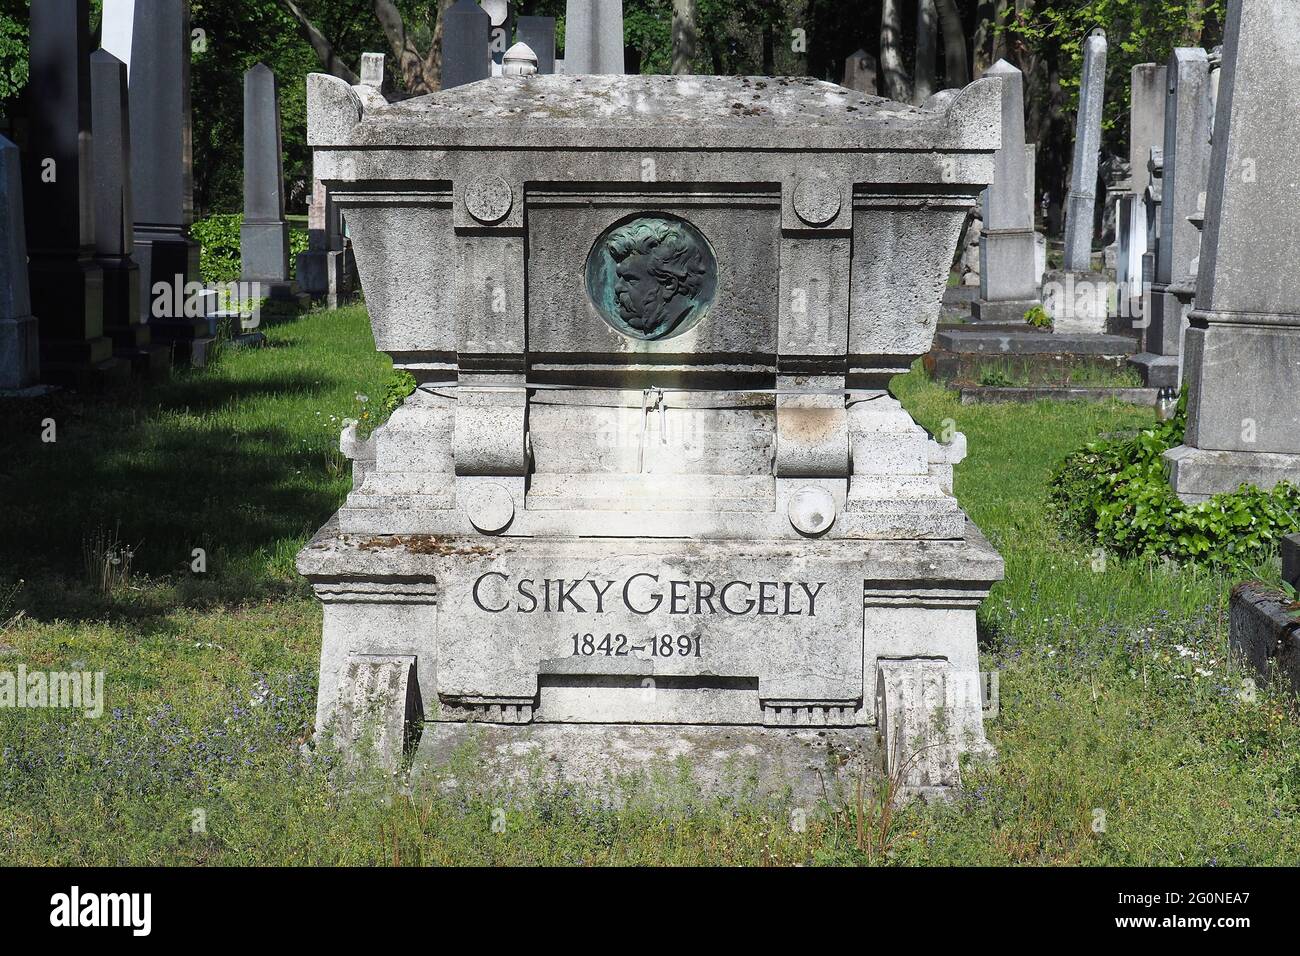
<point>114,226</point>
<point>19,358</point>
<point>539,34</point>
<point>264,237</point>
<point>466,36</point>
<point>66,282</point>
<point>162,169</point>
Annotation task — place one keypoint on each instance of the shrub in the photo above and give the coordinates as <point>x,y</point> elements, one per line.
<point>1039,317</point>
<point>1115,493</point>
<point>218,238</point>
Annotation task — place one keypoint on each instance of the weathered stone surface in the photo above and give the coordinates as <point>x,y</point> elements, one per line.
<point>593,37</point>
<point>1264,630</point>
<point>264,235</point>
<point>1243,347</point>
<point>1291,560</point>
<point>1087,148</point>
<point>1148,94</point>
<point>1078,301</point>
<point>19,357</point>
<point>618,764</point>
<point>652,475</point>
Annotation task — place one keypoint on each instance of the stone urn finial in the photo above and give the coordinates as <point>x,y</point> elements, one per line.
<point>519,60</point>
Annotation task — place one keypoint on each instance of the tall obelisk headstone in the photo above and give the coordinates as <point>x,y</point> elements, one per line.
<point>1243,346</point>
<point>162,172</point>
<point>1077,298</point>
<point>264,236</point>
<point>19,355</point>
<point>1082,201</point>
<point>593,37</point>
<point>1186,171</point>
<point>1008,280</point>
<point>1146,129</point>
<point>925,78</point>
<point>466,39</point>
<point>114,224</point>
<point>66,284</point>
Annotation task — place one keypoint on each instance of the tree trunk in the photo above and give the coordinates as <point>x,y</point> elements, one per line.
<point>999,30</point>
<point>956,66</point>
<point>769,49</point>
<point>897,85</point>
<point>983,45</point>
<point>412,65</point>
<point>925,79</point>
<point>323,48</point>
<point>685,36</point>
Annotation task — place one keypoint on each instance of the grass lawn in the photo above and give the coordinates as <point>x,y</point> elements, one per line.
<point>1124,734</point>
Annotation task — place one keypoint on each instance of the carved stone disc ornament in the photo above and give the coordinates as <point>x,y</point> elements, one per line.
<point>652,276</point>
<point>816,200</point>
<point>489,199</point>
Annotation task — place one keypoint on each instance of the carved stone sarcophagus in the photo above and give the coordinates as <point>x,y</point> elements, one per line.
<point>652,482</point>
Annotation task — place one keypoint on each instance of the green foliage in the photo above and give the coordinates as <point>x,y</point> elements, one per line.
<point>1039,318</point>
<point>994,378</point>
<point>218,238</point>
<point>13,50</point>
<point>1115,493</point>
<point>1138,31</point>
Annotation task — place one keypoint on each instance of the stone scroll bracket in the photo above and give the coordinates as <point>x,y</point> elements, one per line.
<point>380,710</point>
<point>812,436</point>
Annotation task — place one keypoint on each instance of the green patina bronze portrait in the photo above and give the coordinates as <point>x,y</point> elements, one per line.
<point>652,277</point>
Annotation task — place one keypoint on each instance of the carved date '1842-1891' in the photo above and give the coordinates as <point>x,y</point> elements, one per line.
<point>643,593</point>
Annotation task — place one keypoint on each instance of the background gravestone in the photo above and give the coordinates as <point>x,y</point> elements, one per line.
<point>1077,298</point>
<point>1146,129</point>
<point>1243,345</point>
<point>1008,277</point>
<point>19,358</point>
<point>114,229</point>
<point>860,72</point>
<point>539,34</point>
<point>466,39</point>
<point>1186,171</point>
<point>593,37</point>
<point>1082,200</point>
<point>264,236</point>
<point>501,14</point>
<point>162,192</point>
<point>66,283</point>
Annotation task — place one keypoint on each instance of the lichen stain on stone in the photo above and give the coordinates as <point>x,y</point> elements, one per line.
<point>422,544</point>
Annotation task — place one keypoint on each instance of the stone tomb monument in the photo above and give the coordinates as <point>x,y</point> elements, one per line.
<point>652,497</point>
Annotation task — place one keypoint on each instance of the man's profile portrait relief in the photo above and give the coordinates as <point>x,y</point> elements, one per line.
<point>652,276</point>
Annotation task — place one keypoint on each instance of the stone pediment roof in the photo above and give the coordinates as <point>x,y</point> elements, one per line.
<point>681,112</point>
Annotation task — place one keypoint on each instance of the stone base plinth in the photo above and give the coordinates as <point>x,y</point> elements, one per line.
<point>667,765</point>
<point>1008,313</point>
<point>1197,475</point>
<point>1078,301</point>
<point>19,353</point>
<point>1158,371</point>
<point>698,637</point>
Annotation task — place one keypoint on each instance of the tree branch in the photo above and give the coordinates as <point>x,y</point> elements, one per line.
<point>324,49</point>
